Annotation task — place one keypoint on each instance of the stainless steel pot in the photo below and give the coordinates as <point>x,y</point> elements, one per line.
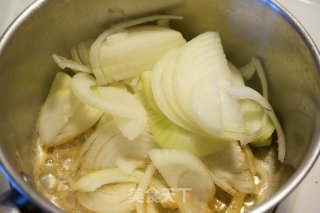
<point>248,28</point>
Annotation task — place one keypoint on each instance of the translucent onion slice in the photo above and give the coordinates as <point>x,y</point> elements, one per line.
<point>130,127</point>
<point>251,94</point>
<point>152,208</point>
<point>181,170</point>
<point>95,180</point>
<point>248,70</point>
<point>205,54</point>
<point>84,51</point>
<point>258,124</point>
<point>114,193</point>
<point>134,84</point>
<point>92,146</point>
<point>75,56</point>
<point>127,111</point>
<point>262,77</point>
<point>164,92</point>
<point>122,60</point>
<point>128,165</point>
<point>170,136</point>
<point>120,147</point>
<point>58,108</point>
<point>96,46</point>
<point>104,119</point>
<point>108,148</point>
<point>102,200</point>
<point>89,202</point>
<point>66,63</point>
<point>83,118</point>
<point>230,169</point>
<point>146,80</point>
<point>144,185</point>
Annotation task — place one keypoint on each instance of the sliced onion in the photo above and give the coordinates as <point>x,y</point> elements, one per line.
<point>161,88</point>
<point>95,48</point>
<point>128,165</point>
<point>198,103</point>
<point>205,54</point>
<point>120,147</point>
<point>58,108</point>
<point>83,86</point>
<point>122,60</point>
<point>181,170</point>
<point>249,93</point>
<point>262,77</point>
<point>75,56</point>
<point>113,193</point>
<point>104,119</point>
<point>84,51</point>
<point>170,136</point>
<point>152,208</point>
<point>248,70</point>
<point>147,91</point>
<point>92,146</point>
<point>258,124</point>
<point>127,111</point>
<point>83,118</point>
<point>144,185</point>
<point>99,201</point>
<point>95,180</point>
<point>230,169</point>
<point>66,63</point>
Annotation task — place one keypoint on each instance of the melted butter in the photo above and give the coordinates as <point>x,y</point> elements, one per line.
<point>54,174</point>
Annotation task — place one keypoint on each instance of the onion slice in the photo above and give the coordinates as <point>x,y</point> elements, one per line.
<point>121,59</point>
<point>95,48</point>
<point>66,63</point>
<point>231,170</point>
<point>93,181</point>
<point>183,171</point>
<point>144,185</point>
<point>57,110</point>
<point>171,136</point>
<point>128,112</point>
<point>111,198</point>
<point>249,93</point>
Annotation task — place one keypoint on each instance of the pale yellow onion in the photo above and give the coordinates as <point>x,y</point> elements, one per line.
<point>144,185</point>
<point>182,170</point>
<point>170,136</point>
<point>58,108</point>
<point>93,181</point>
<point>249,93</point>
<point>83,118</point>
<point>128,112</point>
<point>66,63</point>
<point>95,48</point>
<point>258,125</point>
<point>231,170</point>
<point>122,60</point>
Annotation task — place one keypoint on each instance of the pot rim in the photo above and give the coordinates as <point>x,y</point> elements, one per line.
<point>28,191</point>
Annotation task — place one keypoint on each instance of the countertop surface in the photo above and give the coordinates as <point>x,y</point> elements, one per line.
<point>306,198</point>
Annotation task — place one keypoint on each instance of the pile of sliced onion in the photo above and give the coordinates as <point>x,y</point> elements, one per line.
<point>142,88</point>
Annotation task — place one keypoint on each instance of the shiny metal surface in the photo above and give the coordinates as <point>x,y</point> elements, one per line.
<point>248,28</point>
